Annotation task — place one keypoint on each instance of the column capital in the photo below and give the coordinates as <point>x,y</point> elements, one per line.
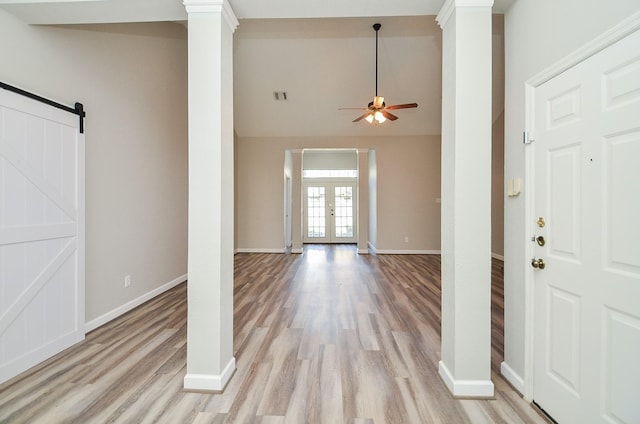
<point>450,5</point>
<point>213,6</point>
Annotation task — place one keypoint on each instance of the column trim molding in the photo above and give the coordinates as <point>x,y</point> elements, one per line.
<point>450,5</point>
<point>213,6</point>
<point>481,389</point>
<point>210,382</point>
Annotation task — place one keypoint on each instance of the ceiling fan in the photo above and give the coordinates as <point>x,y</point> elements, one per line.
<point>377,110</point>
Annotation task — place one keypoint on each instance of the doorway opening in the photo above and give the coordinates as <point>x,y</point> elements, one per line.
<point>329,194</point>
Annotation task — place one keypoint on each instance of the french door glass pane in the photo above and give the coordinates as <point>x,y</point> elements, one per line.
<point>343,212</point>
<point>316,207</point>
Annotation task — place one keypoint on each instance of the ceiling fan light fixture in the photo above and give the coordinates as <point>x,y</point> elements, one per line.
<point>375,117</point>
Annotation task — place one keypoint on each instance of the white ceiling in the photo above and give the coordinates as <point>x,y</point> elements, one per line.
<point>322,53</point>
<point>110,11</point>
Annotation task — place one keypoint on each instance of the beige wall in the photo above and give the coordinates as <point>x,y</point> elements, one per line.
<point>497,186</point>
<point>537,36</point>
<point>406,179</point>
<point>408,182</point>
<point>132,80</point>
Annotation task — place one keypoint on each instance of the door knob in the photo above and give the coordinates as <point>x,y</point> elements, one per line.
<point>538,263</point>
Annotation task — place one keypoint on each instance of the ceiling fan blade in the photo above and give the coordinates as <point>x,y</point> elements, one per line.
<point>388,115</point>
<point>404,106</point>
<point>353,108</point>
<point>361,117</point>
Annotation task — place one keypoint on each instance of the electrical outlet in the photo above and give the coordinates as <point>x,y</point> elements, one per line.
<point>127,280</point>
<point>406,239</point>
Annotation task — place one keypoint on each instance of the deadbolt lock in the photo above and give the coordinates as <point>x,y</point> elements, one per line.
<point>540,222</point>
<point>538,263</point>
<point>540,240</point>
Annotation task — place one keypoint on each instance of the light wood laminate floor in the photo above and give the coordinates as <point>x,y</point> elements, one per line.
<point>324,337</point>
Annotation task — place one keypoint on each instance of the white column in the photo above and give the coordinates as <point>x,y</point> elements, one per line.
<point>296,201</point>
<point>363,201</point>
<point>465,364</point>
<point>210,361</point>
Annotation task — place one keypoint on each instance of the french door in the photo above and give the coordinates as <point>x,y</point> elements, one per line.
<point>330,212</point>
<point>587,239</point>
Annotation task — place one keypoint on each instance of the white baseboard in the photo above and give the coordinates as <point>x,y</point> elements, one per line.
<point>407,252</point>
<point>259,250</point>
<point>512,377</point>
<point>103,319</point>
<point>498,257</point>
<point>208,382</point>
<point>465,388</point>
<point>372,249</point>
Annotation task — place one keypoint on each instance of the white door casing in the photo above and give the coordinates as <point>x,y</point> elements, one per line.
<point>41,232</point>
<point>587,190</point>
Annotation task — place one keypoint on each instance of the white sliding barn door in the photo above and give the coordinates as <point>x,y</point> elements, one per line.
<point>587,232</point>
<point>41,232</point>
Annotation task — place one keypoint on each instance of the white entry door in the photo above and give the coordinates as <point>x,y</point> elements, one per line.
<point>587,239</point>
<point>330,213</point>
<point>41,232</point>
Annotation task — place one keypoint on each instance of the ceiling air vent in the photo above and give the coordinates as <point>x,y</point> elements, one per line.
<point>280,95</point>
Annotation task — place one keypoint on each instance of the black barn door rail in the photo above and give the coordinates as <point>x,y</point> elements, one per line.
<point>77,110</point>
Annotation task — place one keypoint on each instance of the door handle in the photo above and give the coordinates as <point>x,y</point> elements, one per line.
<point>538,263</point>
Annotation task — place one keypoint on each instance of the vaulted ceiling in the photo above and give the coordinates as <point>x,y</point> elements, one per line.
<point>322,54</point>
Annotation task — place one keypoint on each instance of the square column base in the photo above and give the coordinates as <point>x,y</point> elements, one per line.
<point>479,389</point>
<point>210,383</point>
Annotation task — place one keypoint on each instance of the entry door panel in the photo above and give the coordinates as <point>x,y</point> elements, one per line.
<point>587,210</point>
<point>317,214</point>
<point>342,211</point>
<point>41,232</point>
<point>330,213</point>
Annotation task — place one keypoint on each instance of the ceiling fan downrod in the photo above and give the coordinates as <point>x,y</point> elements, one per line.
<point>377,27</point>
